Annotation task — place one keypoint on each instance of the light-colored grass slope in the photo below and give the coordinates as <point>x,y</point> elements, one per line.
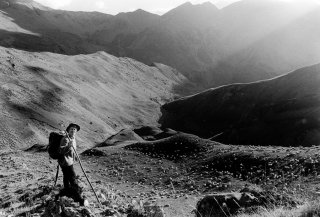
<point>40,92</point>
<point>306,210</point>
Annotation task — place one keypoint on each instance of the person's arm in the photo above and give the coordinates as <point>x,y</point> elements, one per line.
<point>74,150</point>
<point>65,146</point>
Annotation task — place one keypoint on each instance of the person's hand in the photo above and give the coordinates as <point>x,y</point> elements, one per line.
<point>70,144</point>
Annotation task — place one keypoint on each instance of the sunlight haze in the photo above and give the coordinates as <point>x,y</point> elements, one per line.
<point>117,6</point>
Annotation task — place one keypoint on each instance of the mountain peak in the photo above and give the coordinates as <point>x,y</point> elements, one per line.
<point>139,10</point>
<point>143,12</point>
<point>186,4</point>
<point>137,13</point>
<point>188,8</point>
<point>208,4</point>
<point>183,7</point>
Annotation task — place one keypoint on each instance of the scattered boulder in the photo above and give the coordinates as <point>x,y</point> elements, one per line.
<point>153,210</point>
<point>224,204</point>
<point>146,209</point>
<point>65,207</point>
<point>93,152</point>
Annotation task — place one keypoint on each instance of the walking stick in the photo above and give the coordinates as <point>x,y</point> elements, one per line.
<point>57,174</point>
<point>215,135</point>
<point>85,173</point>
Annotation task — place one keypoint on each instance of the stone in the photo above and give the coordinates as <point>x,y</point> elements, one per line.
<point>224,203</point>
<point>153,210</point>
<point>71,212</point>
<point>66,201</point>
<point>85,212</point>
<point>108,212</point>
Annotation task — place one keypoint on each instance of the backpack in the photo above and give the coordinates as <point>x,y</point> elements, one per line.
<point>54,144</point>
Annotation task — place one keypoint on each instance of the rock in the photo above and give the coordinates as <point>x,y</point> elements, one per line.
<point>20,191</point>
<point>85,212</point>
<point>108,212</point>
<point>86,203</point>
<point>65,207</point>
<point>66,201</point>
<point>52,209</point>
<point>6,204</point>
<point>135,213</point>
<point>153,210</point>
<point>106,203</point>
<point>45,198</point>
<point>224,203</point>
<point>71,212</point>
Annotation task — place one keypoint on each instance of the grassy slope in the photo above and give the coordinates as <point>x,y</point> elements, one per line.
<point>44,91</point>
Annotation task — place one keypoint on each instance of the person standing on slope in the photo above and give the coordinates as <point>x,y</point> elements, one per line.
<point>67,146</point>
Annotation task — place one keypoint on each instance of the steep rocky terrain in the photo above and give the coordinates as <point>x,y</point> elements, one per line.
<point>246,41</point>
<point>102,93</point>
<point>282,111</point>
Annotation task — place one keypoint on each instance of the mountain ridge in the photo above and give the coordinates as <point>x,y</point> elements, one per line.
<point>243,42</point>
<point>279,111</point>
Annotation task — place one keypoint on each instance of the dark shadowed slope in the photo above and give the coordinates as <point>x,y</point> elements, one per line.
<point>40,92</point>
<point>280,111</point>
<point>65,32</point>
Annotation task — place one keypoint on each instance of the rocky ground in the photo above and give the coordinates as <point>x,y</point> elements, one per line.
<point>171,174</point>
<point>24,188</point>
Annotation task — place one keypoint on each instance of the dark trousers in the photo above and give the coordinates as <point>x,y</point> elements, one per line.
<point>70,183</point>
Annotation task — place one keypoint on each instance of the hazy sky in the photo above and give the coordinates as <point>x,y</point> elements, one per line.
<point>116,6</point>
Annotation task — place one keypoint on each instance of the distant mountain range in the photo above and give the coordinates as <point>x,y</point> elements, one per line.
<point>281,111</point>
<point>247,41</point>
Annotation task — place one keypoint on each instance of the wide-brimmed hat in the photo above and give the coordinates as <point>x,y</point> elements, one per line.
<point>73,125</point>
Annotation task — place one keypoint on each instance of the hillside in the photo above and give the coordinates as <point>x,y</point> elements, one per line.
<point>41,92</point>
<point>244,42</point>
<point>149,147</point>
<point>281,111</point>
<point>172,173</point>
